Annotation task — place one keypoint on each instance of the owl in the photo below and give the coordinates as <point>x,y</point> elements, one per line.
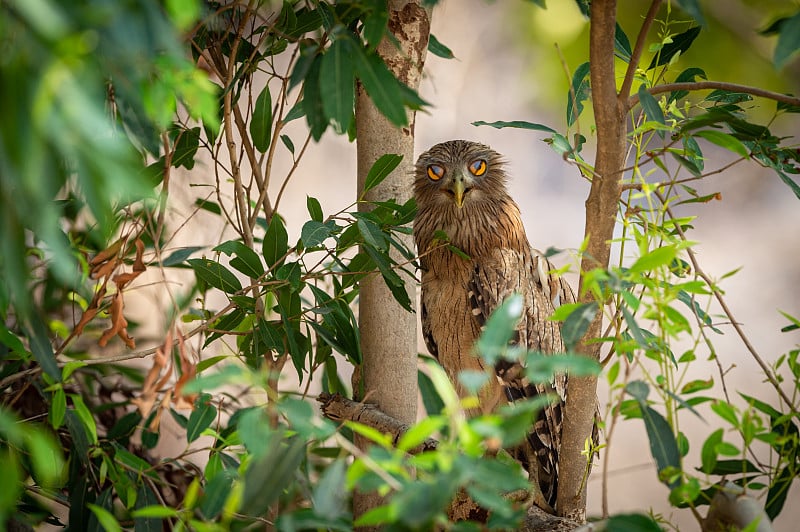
<point>460,190</point>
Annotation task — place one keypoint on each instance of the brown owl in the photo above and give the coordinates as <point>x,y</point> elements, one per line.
<point>460,190</point>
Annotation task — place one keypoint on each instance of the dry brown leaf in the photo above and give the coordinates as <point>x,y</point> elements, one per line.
<point>138,263</point>
<point>108,253</point>
<point>152,384</point>
<point>188,372</point>
<point>90,312</point>
<point>104,269</point>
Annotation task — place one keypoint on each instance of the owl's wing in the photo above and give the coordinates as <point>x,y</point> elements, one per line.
<point>493,280</point>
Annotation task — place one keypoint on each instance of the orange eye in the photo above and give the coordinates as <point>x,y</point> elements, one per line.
<point>478,167</point>
<point>435,172</point>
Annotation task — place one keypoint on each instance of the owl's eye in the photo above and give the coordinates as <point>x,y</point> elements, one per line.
<point>435,172</point>
<point>477,167</point>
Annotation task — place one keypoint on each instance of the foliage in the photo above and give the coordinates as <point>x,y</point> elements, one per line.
<point>108,113</point>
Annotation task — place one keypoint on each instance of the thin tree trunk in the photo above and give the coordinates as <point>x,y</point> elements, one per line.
<point>601,213</point>
<point>388,332</point>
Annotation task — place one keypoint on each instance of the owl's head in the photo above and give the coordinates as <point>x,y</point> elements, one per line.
<point>459,172</point>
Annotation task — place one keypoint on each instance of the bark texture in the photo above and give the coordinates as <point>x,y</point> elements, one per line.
<point>601,213</point>
<point>388,332</point>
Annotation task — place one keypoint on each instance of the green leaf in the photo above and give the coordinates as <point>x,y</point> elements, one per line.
<point>692,7</point>
<point>651,108</point>
<point>662,442</point>
<point>380,84</point>
<point>186,148</point>
<point>268,476</point>
<point>261,122</point>
<point>200,419</point>
<point>724,140</point>
<point>622,46</point>
<point>687,75</point>
<point>680,43</point>
<point>519,124</point>
<point>708,455</point>
<point>430,397</point>
<point>105,518</point>
<point>540,368</point>
<point>375,24</point>
<point>654,259</point>
<point>276,242</point>
<point>372,234</point>
<point>158,511</point>
<point>330,496</point>
<point>216,493</point>
<point>639,390</point>
<point>208,206</point>
<point>216,275</point>
<point>632,523</point>
<point>438,49</point>
<point>577,323</point>
<point>776,497</point>
<point>788,40</point>
<point>337,84</point>
<point>42,349</point>
<point>380,170</point>
<point>312,100</point>
<point>179,255</point>
<point>245,261</point>
<point>85,416</point>
<point>500,329</point>
<point>789,182</point>
<point>697,385</point>
<point>58,408</point>
<point>726,412</point>
<point>314,233</point>
<point>314,209</point>
<point>581,90</point>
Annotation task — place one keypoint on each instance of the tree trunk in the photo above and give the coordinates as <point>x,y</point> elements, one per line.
<point>601,213</point>
<point>389,332</point>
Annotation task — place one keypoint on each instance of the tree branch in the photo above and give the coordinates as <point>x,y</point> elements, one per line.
<point>723,85</point>
<point>638,48</point>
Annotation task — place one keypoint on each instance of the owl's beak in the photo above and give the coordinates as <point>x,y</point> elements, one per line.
<point>458,189</point>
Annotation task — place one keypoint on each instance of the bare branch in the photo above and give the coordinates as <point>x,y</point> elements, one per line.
<point>638,48</point>
<point>722,85</point>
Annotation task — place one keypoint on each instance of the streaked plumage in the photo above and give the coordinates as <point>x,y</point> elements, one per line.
<point>460,189</point>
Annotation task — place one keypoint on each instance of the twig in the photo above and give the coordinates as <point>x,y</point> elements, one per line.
<point>721,300</point>
<point>636,54</point>
<point>638,186</point>
<point>723,85</point>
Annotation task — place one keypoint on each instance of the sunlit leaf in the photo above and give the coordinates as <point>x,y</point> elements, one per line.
<point>724,140</point>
